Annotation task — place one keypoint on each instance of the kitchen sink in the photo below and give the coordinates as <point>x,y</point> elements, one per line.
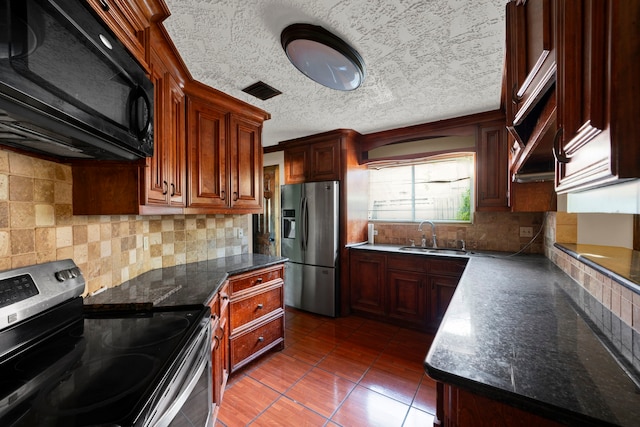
<point>443,251</point>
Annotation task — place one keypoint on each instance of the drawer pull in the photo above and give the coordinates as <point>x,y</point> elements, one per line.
<point>259,280</point>
<point>260,306</point>
<point>260,339</point>
<point>225,296</point>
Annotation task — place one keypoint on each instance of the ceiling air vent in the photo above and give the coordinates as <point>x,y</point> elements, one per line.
<point>261,90</point>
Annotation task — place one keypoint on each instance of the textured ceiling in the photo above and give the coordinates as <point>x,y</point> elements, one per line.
<point>426,60</point>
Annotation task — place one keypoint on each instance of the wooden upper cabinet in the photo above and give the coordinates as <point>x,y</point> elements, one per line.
<point>492,175</point>
<point>598,93</point>
<point>164,183</point>
<point>296,164</point>
<point>325,160</point>
<point>246,163</point>
<point>207,148</point>
<point>318,158</point>
<point>531,68</point>
<point>128,21</point>
<point>225,159</point>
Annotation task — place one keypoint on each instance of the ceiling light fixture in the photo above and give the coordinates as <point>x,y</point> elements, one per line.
<point>323,57</point>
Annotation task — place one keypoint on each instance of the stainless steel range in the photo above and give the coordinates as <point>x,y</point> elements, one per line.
<point>125,365</point>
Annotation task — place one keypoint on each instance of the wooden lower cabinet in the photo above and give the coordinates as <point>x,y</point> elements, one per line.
<point>409,290</point>
<point>407,297</point>
<point>256,314</point>
<point>457,407</point>
<point>367,272</point>
<point>219,345</point>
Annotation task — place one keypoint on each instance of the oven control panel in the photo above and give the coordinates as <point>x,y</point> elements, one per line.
<point>27,291</point>
<point>16,289</point>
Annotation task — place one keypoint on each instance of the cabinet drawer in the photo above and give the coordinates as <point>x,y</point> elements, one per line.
<point>255,341</point>
<point>247,309</point>
<point>447,267</point>
<point>249,280</point>
<point>407,263</point>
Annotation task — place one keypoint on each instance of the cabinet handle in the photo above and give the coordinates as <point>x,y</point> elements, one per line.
<point>214,316</point>
<point>104,5</point>
<point>173,189</point>
<point>514,94</point>
<point>225,297</point>
<point>259,280</point>
<point>216,343</point>
<point>165,188</point>
<point>260,339</point>
<point>560,157</point>
<point>235,196</point>
<point>260,306</point>
<point>223,196</point>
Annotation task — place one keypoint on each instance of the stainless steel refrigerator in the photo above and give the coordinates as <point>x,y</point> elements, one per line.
<point>310,241</point>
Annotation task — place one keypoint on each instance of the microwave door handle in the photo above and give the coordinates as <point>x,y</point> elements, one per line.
<point>141,131</point>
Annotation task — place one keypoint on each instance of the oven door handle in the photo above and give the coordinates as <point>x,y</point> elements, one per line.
<point>173,410</point>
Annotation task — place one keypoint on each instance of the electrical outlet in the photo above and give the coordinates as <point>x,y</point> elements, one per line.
<point>526,231</point>
<point>239,233</point>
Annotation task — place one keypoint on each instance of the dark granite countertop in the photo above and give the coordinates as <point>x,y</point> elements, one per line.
<point>194,283</point>
<point>513,334</point>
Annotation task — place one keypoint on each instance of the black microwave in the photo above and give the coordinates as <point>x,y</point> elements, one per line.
<point>68,87</point>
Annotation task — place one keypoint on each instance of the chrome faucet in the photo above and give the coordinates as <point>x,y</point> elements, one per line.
<point>433,233</point>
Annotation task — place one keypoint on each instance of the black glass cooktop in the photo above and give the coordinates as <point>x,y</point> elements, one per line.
<point>97,371</point>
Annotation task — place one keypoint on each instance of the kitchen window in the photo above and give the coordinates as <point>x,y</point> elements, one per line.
<point>437,189</point>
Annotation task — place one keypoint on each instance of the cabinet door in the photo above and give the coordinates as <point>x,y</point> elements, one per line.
<point>325,161</point>
<point>245,152</point>
<point>296,164</point>
<point>165,173</point>
<point>407,296</point>
<point>207,148</point>
<point>531,62</point>
<point>175,133</point>
<point>442,289</point>
<point>367,282</point>
<point>599,97</point>
<point>492,168</point>
<point>157,170</point>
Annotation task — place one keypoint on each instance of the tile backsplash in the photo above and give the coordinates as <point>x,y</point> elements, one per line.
<point>490,231</point>
<point>612,308</point>
<point>37,225</point>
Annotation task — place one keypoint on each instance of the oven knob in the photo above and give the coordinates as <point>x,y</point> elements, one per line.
<point>62,275</point>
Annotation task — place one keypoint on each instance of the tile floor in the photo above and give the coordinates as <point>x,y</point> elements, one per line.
<point>335,372</point>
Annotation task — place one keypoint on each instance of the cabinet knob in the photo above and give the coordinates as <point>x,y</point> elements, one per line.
<point>557,154</point>
<point>260,306</point>
<point>260,339</point>
<point>259,280</point>
<point>225,297</point>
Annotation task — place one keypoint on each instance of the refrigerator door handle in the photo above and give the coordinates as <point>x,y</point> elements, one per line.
<point>305,224</point>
